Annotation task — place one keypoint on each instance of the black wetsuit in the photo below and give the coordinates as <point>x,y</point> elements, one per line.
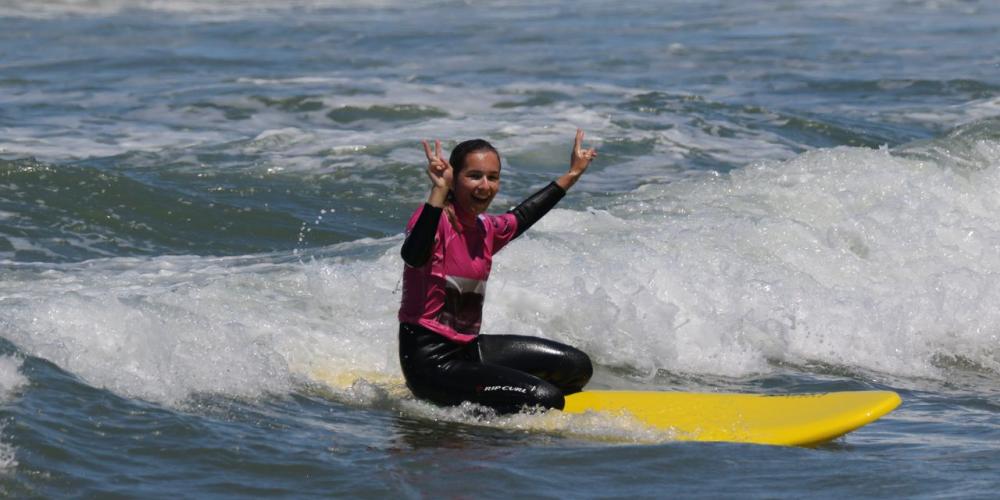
<point>504,372</point>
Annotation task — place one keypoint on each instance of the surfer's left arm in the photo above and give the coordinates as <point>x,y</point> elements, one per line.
<point>539,204</point>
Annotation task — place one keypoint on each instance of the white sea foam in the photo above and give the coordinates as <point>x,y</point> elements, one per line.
<point>164,329</point>
<point>972,111</point>
<point>8,455</point>
<point>851,257</point>
<point>11,381</point>
<point>303,140</point>
<point>389,392</point>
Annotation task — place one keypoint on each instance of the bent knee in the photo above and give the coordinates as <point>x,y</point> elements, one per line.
<point>549,396</point>
<point>543,395</point>
<point>582,369</point>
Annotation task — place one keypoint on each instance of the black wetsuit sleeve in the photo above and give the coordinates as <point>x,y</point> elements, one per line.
<point>537,205</point>
<point>419,244</point>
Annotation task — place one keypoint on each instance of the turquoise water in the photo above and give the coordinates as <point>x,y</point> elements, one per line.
<point>201,206</point>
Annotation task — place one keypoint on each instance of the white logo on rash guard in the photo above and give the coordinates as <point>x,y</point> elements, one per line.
<point>508,388</point>
<point>463,304</point>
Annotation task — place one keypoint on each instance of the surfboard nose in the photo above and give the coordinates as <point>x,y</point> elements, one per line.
<point>787,419</point>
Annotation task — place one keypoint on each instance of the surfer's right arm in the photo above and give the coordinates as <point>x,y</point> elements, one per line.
<point>419,243</point>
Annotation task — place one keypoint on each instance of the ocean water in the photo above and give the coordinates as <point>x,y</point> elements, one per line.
<point>201,207</point>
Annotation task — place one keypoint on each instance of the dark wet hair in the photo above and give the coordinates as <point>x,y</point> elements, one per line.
<point>457,158</point>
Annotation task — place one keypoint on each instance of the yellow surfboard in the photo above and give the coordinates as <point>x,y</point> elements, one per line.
<point>789,420</point>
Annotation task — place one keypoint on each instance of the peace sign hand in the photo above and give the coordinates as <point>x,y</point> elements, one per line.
<point>440,173</point>
<point>438,168</point>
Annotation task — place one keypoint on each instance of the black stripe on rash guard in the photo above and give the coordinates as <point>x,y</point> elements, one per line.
<point>419,244</point>
<point>536,206</point>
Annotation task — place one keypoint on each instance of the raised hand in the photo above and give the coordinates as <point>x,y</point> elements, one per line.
<point>440,173</point>
<point>579,160</point>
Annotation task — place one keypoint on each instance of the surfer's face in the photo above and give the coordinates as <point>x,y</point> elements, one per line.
<point>478,182</point>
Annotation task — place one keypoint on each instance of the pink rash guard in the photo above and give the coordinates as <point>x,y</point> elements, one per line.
<point>445,295</point>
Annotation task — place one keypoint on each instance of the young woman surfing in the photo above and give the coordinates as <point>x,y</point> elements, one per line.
<point>448,252</point>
